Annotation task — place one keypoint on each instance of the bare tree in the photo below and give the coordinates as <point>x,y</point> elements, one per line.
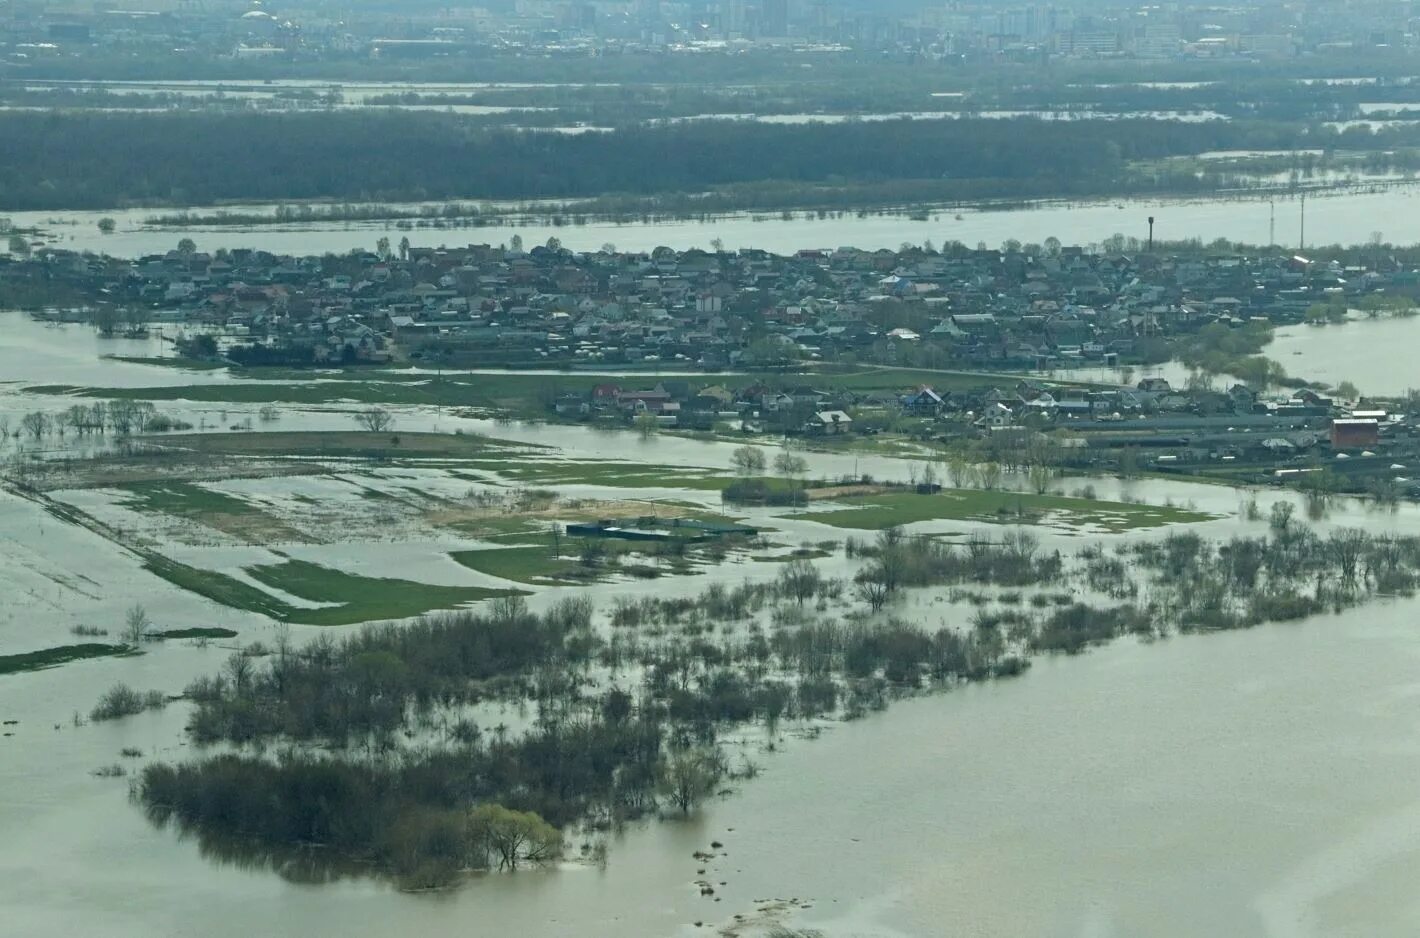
<point>988,476</point>
<point>1345,547</point>
<point>77,417</point>
<point>1039,478</point>
<point>36,423</point>
<point>689,777</point>
<point>790,465</point>
<point>801,580</point>
<point>375,419</point>
<point>959,471</point>
<point>241,671</point>
<point>136,625</point>
<point>872,589</point>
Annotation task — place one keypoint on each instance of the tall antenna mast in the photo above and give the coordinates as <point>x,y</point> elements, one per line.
<point>1271,222</point>
<point>1304,222</point>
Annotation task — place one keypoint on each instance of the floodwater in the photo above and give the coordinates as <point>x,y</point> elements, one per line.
<point>1252,783</point>
<point>1377,355</point>
<point>1249,783</point>
<point>1344,218</point>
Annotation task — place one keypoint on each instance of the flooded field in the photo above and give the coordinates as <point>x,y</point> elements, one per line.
<point>1252,782</point>
<point>1336,218</point>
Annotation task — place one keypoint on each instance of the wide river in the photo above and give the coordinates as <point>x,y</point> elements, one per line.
<point>1349,218</point>
<point>1256,783</point>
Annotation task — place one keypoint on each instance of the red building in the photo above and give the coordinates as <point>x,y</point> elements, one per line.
<point>1354,434</point>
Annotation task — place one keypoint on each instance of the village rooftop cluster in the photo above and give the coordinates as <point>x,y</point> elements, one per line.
<point>792,322</point>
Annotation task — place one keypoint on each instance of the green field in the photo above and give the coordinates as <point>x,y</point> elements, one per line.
<point>217,510</point>
<point>361,599</point>
<point>182,498</point>
<point>218,587</point>
<point>877,512</point>
<point>354,598</point>
<point>531,564</point>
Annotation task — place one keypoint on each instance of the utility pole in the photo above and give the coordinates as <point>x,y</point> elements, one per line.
<point>1303,238</point>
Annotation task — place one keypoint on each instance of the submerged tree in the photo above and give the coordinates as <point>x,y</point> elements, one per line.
<point>748,461</point>
<point>690,777</point>
<point>511,837</point>
<point>800,580</point>
<point>136,625</point>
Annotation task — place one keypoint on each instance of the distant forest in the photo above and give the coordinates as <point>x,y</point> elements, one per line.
<point>93,160</point>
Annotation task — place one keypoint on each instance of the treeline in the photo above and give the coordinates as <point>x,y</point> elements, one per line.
<point>596,754</point>
<point>87,160</point>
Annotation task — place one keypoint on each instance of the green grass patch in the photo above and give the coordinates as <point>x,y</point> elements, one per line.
<point>177,634</point>
<point>354,598</point>
<point>533,564</point>
<point>802,553</point>
<point>183,498</point>
<point>63,654</point>
<point>876,512</point>
<point>358,598</point>
<point>218,587</point>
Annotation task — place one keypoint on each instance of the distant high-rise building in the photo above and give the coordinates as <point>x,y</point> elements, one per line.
<point>774,18</point>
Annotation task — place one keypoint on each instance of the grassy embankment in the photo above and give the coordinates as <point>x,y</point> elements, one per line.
<point>344,444</point>
<point>63,654</point>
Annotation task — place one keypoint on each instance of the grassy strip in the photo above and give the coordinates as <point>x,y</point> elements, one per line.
<point>346,444</point>
<point>876,512</point>
<point>63,654</point>
<point>175,634</point>
<point>518,391</point>
<point>183,364</point>
<point>218,587</point>
<point>361,599</point>
<point>803,553</point>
